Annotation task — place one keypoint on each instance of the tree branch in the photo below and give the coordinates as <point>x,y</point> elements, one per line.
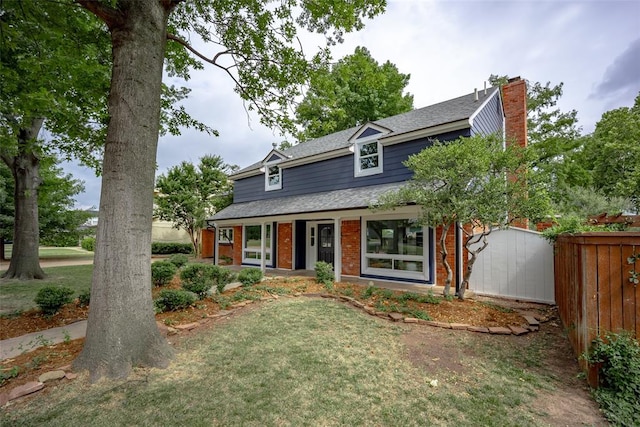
<point>107,14</point>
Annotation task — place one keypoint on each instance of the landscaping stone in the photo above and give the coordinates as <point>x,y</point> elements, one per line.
<point>274,296</point>
<point>297,294</point>
<point>71,376</point>
<point>65,368</point>
<point>357,304</point>
<point>369,309</point>
<point>382,314</point>
<point>25,389</point>
<point>171,331</point>
<point>499,330</point>
<point>532,321</point>
<point>517,330</point>
<point>459,326</point>
<point>51,376</point>
<point>346,298</point>
<point>480,329</point>
<point>312,295</point>
<point>410,320</point>
<point>327,296</point>
<point>532,328</point>
<point>187,326</point>
<point>439,324</point>
<point>396,317</point>
<point>4,398</point>
<point>221,313</point>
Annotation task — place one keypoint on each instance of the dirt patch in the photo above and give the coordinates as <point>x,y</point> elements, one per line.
<point>431,349</point>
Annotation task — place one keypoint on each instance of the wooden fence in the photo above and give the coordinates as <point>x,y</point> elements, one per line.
<point>593,289</point>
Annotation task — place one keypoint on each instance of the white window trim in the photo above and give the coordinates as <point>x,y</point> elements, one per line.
<point>256,249</point>
<point>228,231</point>
<point>267,185</point>
<point>427,244</point>
<point>358,171</point>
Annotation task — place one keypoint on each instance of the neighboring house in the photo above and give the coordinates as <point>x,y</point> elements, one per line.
<point>311,202</point>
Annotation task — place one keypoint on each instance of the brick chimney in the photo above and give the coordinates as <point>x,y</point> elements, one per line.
<point>514,103</point>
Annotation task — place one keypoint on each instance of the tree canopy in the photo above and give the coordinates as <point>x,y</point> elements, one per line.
<point>188,194</point>
<point>473,182</point>
<point>353,91</point>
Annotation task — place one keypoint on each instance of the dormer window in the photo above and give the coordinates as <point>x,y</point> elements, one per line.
<point>273,178</point>
<point>368,157</point>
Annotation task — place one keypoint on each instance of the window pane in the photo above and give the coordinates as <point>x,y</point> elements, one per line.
<point>394,237</point>
<point>274,180</point>
<point>379,263</point>
<point>370,148</point>
<point>369,162</point>
<point>252,236</point>
<point>408,265</point>
<point>274,170</point>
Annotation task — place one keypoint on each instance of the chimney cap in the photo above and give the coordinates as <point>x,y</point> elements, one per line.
<point>514,79</point>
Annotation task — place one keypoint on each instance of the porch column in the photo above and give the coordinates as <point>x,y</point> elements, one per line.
<point>216,246</point>
<point>337,258</point>
<point>263,247</point>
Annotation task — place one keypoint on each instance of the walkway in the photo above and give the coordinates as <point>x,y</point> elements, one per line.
<point>13,347</point>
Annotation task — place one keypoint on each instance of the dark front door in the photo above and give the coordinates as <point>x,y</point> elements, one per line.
<point>325,243</point>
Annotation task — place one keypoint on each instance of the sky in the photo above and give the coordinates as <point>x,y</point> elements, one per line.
<point>449,48</point>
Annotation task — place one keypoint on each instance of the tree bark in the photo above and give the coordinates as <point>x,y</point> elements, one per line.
<point>443,257</point>
<point>121,330</point>
<point>25,167</point>
<point>472,260</point>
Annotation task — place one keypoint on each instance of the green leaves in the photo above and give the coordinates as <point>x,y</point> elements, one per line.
<point>353,91</point>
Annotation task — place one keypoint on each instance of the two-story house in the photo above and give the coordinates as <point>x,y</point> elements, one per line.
<point>311,202</point>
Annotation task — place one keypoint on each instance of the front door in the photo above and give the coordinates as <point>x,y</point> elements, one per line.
<point>325,243</point>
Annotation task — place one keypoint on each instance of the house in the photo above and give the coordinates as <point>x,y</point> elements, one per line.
<point>311,202</point>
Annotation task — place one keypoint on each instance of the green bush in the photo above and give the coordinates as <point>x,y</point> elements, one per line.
<point>174,299</point>
<point>84,298</point>
<point>250,276</point>
<point>162,272</point>
<point>88,244</point>
<point>179,260</point>
<point>61,239</point>
<point>162,248</point>
<point>198,278</point>
<point>324,274</point>
<point>618,358</point>
<point>222,277</point>
<point>50,299</point>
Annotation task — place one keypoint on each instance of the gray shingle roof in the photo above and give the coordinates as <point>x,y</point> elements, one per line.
<point>350,198</point>
<point>449,111</point>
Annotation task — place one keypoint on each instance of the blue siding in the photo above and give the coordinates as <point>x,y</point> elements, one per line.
<point>274,158</point>
<point>490,119</point>
<point>368,132</point>
<point>336,174</point>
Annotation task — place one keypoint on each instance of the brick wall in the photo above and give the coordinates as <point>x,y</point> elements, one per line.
<point>237,245</point>
<point>225,250</point>
<point>351,247</point>
<point>285,239</point>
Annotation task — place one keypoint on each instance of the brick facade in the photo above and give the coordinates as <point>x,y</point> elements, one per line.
<point>237,245</point>
<point>350,239</point>
<point>285,241</point>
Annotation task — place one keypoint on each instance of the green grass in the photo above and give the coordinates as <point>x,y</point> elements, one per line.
<point>305,362</point>
<point>47,252</point>
<point>17,295</point>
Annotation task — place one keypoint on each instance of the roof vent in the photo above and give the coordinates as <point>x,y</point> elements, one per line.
<point>475,94</point>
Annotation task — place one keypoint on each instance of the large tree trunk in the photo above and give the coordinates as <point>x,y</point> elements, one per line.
<point>443,256</point>
<point>121,330</point>
<point>25,167</point>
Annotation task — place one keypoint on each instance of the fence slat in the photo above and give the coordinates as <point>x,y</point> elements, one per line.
<point>615,273</point>
<point>604,289</point>
<point>628,292</point>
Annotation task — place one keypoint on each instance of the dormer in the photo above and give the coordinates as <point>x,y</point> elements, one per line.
<point>367,149</point>
<point>273,172</point>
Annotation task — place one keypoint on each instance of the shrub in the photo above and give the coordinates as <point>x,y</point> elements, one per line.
<point>88,244</point>
<point>250,276</point>
<point>162,272</point>
<point>162,248</point>
<point>84,298</point>
<point>618,357</point>
<point>222,277</point>
<point>174,299</point>
<point>179,260</point>
<point>324,273</point>
<point>198,278</point>
<point>50,299</point>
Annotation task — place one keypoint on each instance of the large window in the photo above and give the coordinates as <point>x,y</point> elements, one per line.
<point>252,244</point>
<point>368,158</point>
<point>396,248</point>
<point>273,178</point>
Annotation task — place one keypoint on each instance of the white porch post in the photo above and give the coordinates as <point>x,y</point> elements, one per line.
<point>337,260</point>
<point>216,245</point>
<point>263,247</point>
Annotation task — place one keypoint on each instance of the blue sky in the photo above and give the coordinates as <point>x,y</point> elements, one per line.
<point>449,48</point>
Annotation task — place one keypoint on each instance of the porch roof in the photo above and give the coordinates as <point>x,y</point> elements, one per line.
<point>351,198</point>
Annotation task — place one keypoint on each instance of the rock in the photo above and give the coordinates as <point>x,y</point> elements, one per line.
<point>499,330</point>
<point>480,329</point>
<point>51,376</point>
<point>532,321</point>
<point>433,383</point>
<point>25,389</point>
<point>439,324</point>
<point>187,326</point>
<point>396,317</point>
<point>533,328</point>
<point>357,304</point>
<point>410,320</point>
<point>71,376</point>
<point>171,331</point>
<point>4,398</point>
<point>221,313</point>
<point>327,296</point>
<point>346,298</point>
<point>164,329</point>
<point>382,314</point>
<point>459,326</point>
<point>65,368</point>
<point>369,309</point>
<point>517,330</point>
<point>297,294</point>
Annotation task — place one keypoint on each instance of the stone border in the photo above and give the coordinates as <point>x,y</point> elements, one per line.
<point>533,325</point>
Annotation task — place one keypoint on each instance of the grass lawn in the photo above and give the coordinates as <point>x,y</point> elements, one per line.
<point>17,295</point>
<point>314,362</point>
<point>46,252</point>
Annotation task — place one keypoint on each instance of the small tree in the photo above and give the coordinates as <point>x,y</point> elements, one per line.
<point>474,182</point>
<point>188,194</point>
